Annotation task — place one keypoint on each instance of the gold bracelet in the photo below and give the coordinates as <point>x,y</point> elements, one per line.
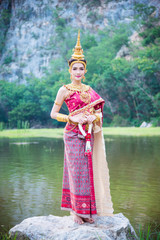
<point>57,103</point>
<point>62,117</point>
<point>98,118</point>
<point>71,122</point>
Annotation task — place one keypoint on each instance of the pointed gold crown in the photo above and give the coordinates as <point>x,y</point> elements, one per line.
<point>78,51</point>
<point>78,54</point>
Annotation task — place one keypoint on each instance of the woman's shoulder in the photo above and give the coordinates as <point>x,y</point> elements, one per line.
<point>62,89</point>
<point>63,92</point>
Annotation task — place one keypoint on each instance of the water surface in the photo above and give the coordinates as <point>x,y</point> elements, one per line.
<point>31,172</point>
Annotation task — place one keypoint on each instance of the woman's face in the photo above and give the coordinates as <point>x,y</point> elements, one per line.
<point>77,71</point>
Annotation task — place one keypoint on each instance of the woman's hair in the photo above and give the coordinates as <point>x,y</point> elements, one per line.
<point>71,60</point>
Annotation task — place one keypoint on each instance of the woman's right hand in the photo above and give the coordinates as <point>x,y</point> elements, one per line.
<point>82,120</point>
<point>78,119</point>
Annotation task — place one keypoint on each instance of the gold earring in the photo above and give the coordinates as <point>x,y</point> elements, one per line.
<point>71,77</point>
<point>83,78</point>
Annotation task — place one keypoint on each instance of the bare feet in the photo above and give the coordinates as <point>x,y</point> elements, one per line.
<point>90,220</point>
<point>77,219</point>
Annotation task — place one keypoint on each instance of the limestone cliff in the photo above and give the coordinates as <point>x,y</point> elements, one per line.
<point>30,35</point>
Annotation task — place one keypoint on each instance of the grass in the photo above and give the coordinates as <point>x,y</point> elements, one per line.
<point>23,133</point>
<point>149,233</point>
<point>4,235</point>
<point>132,131</point>
<point>7,237</point>
<point>58,132</point>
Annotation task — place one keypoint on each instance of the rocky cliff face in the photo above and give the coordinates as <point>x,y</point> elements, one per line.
<point>29,44</point>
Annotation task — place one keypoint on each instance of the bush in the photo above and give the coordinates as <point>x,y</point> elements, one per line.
<point>155,122</point>
<point>119,121</point>
<point>21,115</point>
<point>8,59</point>
<point>150,35</point>
<point>2,126</point>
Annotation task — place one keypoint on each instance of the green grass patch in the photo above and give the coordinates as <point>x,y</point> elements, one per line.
<point>58,132</point>
<point>23,133</point>
<point>132,131</point>
<point>150,232</point>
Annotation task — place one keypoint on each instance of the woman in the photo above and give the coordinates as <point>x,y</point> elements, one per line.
<point>86,191</point>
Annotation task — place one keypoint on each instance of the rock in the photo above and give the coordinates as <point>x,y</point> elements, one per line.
<point>135,38</point>
<point>123,52</point>
<point>145,124</point>
<point>64,228</point>
<point>149,125</point>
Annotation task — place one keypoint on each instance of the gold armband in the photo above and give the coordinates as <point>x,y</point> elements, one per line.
<point>57,103</point>
<point>62,117</point>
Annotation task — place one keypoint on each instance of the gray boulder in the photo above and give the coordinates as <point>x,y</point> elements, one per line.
<point>123,52</point>
<point>64,228</point>
<point>145,124</point>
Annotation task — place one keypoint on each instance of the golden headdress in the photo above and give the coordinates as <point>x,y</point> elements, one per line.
<point>78,54</point>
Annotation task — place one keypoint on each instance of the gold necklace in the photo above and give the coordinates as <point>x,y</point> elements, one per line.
<point>82,89</point>
<point>85,97</point>
<point>79,88</point>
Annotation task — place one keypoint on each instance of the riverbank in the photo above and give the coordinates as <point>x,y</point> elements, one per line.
<point>58,132</point>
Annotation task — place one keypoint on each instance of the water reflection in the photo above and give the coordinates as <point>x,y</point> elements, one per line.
<point>134,169</point>
<point>31,178</point>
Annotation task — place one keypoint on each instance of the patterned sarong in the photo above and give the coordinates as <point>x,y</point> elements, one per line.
<point>78,187</point>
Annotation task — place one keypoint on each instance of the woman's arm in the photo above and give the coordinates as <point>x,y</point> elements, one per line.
<point>61,95</point>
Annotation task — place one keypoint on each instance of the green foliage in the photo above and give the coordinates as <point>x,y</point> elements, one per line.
<point>24,15</point>
<point>4,234</point>
<point>143,11</point>
<point>129,88</point>
<point>94,16</point>
<point>59,22</point>
<point>24,112</point>
<point>22,65</point>
<point>155,122</point>
<point>4,24</point>
<point>35,36</point>
<point>92,3</point>
<point>8,59</point>
<point>149,52</point>
<point>146,65</point>
<point>150,35</point>
<point>119,121</point>
<point>89,41</point>
<point>2,126</point>
<point>22,124</point>
<point>149,232</point>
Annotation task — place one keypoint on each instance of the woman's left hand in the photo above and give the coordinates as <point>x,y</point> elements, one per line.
<point>90,118</point>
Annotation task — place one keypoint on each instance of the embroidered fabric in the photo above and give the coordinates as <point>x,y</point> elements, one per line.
<point>104,205</point>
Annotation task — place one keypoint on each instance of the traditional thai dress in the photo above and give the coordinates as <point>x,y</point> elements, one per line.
<point>86,188</point>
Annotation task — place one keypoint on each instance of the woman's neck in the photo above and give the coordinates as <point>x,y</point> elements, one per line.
<point>77,82</point>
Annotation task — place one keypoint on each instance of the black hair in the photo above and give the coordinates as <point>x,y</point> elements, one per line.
<point>73,60</point>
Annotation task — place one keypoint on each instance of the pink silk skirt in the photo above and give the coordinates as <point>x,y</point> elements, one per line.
<point>78,193</point>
